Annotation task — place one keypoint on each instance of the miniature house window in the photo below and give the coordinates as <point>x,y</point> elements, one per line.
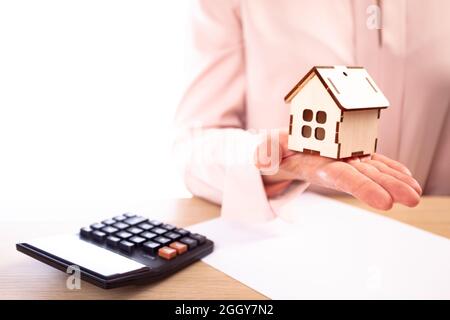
<point>321,117</point>
<point>307,115</point>
<point>319,133</point>
<point>306,131</point>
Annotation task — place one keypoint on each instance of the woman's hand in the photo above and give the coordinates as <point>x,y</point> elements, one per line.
<point>376,180</point>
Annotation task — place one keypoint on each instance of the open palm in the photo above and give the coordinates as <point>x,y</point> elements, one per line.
<point>376,180</point>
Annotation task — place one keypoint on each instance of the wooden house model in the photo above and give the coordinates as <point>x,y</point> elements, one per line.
<point>334,112</point>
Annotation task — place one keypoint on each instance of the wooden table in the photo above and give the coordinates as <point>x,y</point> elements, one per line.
<point>22,277</point>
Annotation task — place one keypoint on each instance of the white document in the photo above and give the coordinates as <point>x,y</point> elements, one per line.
<point>331,250</point>
<point>87,255</point>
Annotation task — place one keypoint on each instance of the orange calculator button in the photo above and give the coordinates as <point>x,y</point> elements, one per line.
<point>167,253</point>
<point>180,247</point>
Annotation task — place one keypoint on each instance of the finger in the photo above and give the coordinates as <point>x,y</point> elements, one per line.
<point>343,177</point>
<point>399,191</point>
<point>396,174</point>
<point>391,163</point>
<point>285,151</point>
<point>275,189</point>
<point>357,159</point>
<point>354,159</point>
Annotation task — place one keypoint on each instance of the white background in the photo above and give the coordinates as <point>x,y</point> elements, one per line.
<point>88,90</point>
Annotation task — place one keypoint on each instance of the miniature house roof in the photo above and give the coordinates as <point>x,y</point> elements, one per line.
<point>351,88</point>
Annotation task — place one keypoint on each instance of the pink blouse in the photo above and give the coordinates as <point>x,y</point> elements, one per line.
<point>246,55</point>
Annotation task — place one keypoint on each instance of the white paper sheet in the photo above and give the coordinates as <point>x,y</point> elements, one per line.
<point>84,254</point>
<point>331,250</point>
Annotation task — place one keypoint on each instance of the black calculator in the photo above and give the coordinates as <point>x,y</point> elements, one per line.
<point>122,250</point>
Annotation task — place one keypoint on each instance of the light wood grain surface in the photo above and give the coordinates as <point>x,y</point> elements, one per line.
<point>22,277</point>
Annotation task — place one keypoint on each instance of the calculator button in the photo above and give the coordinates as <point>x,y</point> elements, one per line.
<point>151,247</point>
<point>109,230</point>
<point>162,240</point>
<point>123,234</point>
<point>180,247</point>
<point>168,227</point>
<point>98,236</point>
<point>129,215</point>
<point>134,230</point>
<point>183,232</point>
<point>85,232</point>
<point>112,241</point>
<point>167,253</point>
<point>97,226</point>
<point>148,235</point>
<point>109,222</point>
<point>120,225</point>
<point>145,226</point>
<point>119,218</point>
<point>126,246</point>
<point>191,243</point>
<point>172,235</point>
<point>158,230</point>
<point>135,220</point>
<point>156,223</point>
<point>201,239</point>
<point>137,240</point>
